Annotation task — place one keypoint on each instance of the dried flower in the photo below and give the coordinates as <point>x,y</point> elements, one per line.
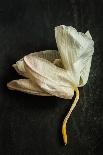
<point>57,73</point>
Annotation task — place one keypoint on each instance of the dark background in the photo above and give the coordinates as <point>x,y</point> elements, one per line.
<point>31,125</point>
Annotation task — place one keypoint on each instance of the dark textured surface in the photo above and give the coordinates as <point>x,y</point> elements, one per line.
<point>31,125</point>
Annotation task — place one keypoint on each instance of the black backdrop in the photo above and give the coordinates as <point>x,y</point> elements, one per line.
<point>31,125</point>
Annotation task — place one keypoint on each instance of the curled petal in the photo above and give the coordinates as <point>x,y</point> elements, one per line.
<point>26,85</point>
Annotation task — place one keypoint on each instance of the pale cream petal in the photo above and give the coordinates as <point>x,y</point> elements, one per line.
<point>52,86</point>
<point>19,67</point>
<point>84,74</point>
<point>75,49</point>
<point>25,85</point>
<point>47,69</point>
<point>50,55</point>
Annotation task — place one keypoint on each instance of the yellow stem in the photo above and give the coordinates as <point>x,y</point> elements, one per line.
<point>68,115</point>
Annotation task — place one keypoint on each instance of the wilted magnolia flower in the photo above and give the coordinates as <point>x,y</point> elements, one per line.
<point>58,73</point>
